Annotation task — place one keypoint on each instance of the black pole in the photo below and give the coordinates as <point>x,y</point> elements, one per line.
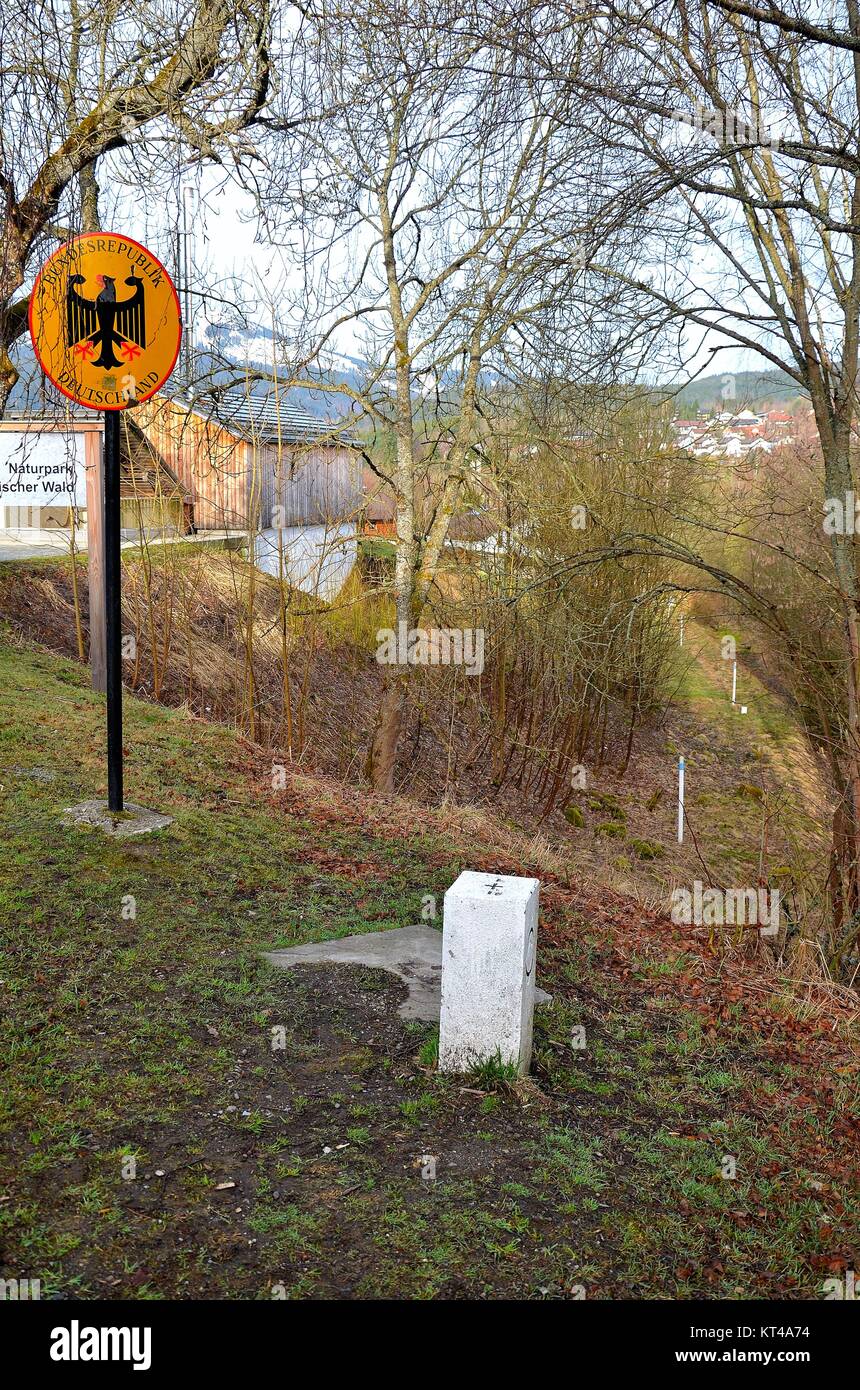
<point>113,612</point>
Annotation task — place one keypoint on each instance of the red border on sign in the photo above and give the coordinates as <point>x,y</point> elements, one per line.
<point>117,236</point>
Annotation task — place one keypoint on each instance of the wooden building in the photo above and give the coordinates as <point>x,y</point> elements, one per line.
<point>153,501</point>
<point>250,463</point>
<point>261,466</point>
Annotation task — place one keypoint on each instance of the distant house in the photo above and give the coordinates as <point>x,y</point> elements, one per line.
<point>262,467</point>
<point>474,530</point>
<point>378,510</point>
<point>779,424</point>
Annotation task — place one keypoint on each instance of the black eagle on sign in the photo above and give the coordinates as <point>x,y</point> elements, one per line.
<point>106,322</point>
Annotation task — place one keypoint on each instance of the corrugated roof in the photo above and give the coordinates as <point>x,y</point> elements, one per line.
<point>268,418</point>
<point>142,470</point>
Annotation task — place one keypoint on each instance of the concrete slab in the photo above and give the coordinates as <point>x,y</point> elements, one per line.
<point>40,545</point>
<point>34,774</point>
<point>11,549</point>
<point>412,953</point>
<point>134,820</point>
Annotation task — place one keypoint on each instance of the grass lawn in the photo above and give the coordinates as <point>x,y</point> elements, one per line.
<point>179,1119</point>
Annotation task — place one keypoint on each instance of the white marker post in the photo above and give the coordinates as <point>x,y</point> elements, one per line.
<point>734,682</point>
<point>489,939</point>
<point>681,631</point>
<point>680,801</point>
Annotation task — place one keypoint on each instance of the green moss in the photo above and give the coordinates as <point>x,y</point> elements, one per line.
<point>610,805</point>
<point>574,816</point>
<point>611,829</point>
<point>376,549</point>
<point>747,790</point>
<point>646,849</point>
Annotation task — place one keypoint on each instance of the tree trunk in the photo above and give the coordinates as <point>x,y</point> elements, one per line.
<point>386,738</point>
<point>11,319</point>
<point>8,377</point>
<point>845,861</point>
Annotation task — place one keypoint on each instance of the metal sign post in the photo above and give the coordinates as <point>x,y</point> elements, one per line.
<point>113,611</point>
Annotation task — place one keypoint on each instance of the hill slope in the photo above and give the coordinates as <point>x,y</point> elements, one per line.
<point>756,389</point>
<point>151,1036</point>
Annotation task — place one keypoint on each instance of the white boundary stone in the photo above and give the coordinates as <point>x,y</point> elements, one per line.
<point>489,942</point>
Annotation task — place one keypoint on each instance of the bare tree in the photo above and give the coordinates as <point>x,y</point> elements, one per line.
<point>431,201</point>
<point>739,123</point>
<point>181,78</point>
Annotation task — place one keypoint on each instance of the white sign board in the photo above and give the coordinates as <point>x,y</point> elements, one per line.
<point>42,469</point>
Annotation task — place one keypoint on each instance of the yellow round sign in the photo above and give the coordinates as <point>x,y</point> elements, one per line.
<point>105,321</point>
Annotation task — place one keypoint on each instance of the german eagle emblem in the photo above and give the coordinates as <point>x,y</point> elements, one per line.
<point>105,322</point>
